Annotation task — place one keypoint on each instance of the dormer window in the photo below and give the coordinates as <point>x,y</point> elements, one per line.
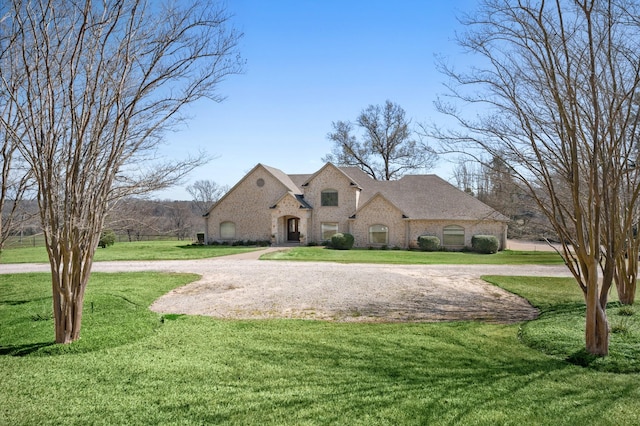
<point>329,198</point>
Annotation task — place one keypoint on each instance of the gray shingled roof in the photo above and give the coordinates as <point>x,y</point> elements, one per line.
<point>424,197</point>
<point>299,180</point>
<point>284,178</point>
<point>417,196</point>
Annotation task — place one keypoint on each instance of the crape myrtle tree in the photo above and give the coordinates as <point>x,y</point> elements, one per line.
<point>556,86</point>
<point>94,85</point>
<point>387,147</point>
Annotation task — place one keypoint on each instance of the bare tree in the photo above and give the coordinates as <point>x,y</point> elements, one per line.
<point>557,81</point>
<point>15,176</point>
<point>387,148</point>
<point>205,193</point>
<point>94,86</point>
<point>15,183</point>
<point>492,182</point>
<point>179,214</point>
<point>136,218</point>
<point>467,176</point>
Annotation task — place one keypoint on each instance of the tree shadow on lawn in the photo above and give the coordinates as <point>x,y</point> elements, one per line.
<point>13,302</point>
<point>431,383</point>
<point>25,349</point>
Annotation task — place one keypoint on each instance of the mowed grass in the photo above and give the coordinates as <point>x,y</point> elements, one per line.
<point>506,257</point>
<point>559,331</point>
<point>137,250</point>
<point>133,366</point>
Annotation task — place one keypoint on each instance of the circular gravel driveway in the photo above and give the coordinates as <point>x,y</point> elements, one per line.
<point>242,287</point>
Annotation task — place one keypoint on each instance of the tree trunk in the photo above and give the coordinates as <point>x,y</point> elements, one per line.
<point>70,271</point>
<point>626,276</point>
<point>627,292</point>
<point>597,327</point>
<point>597,330</point>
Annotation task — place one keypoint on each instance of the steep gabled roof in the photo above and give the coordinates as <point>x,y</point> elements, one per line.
<point>364,205</point>
<point>357,175</point>
<point>278,174</point>
<point>299,180</point>
<point>298,197</point>
<point>284,178</point>
<point>339,169</point>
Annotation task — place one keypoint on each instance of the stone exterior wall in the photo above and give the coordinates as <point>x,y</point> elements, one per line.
<point>247,205</point>
<point>379,211</point>
<point>330,177</point>
<point>429,227</point>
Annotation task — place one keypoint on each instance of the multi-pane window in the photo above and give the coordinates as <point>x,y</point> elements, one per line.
<point>378,234</point>
<point>227,230</point>
<point>328,230</point>
<point>453,235</point>
<point>329,198</point>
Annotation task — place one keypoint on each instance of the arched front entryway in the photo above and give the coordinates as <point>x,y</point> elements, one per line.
<point>290,229</point>
<point>293,229</point>
<point>290,221</point>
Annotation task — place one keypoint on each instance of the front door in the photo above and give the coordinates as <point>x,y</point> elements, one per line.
<point>293,234</point>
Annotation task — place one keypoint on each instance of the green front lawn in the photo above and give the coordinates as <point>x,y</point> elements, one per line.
<point>137,250</point>
<point>559,331</point>
<point>133,366</point>
<point>180,250</point>
<point>506,257</point>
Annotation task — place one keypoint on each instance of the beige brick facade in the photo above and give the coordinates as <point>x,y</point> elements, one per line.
<point>268,205</point>
<point>330,178</point>
<point>379,211</point>
<point>247,205</point>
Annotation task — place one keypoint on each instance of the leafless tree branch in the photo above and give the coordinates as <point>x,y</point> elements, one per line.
<point>92,87</point>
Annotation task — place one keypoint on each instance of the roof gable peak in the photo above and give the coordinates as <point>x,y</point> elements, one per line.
<point>381,196</point>
<point>324,168</point>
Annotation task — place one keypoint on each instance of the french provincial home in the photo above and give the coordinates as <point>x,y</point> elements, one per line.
<point>268,204</point>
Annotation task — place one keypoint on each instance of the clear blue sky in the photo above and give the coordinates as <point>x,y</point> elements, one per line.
<point>310,63</point>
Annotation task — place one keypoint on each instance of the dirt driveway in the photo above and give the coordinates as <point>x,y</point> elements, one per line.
<point>242,287</point>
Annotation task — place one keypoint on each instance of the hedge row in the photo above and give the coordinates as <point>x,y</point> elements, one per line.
<point>487,244</point>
